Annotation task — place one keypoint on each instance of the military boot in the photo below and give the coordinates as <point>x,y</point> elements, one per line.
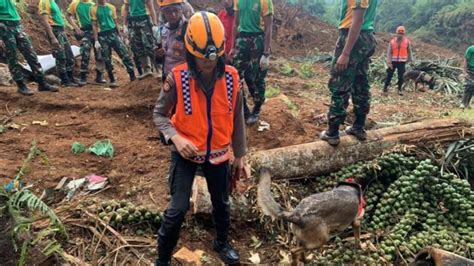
<point>331,135</point>
<point>82,78</point>
<point>113,82</point>
<point>99,77</point>
<point>255,115</point>
<point>145,62</point>
<point>358,128</point>
<point>43,85</point>
<point>132,76</point>
<point>23,89</point>
<point>65,82</point>
<point>72,79</point>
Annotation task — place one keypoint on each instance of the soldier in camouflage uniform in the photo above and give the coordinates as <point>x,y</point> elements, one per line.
<point>141,18</point>
<point>469,76</point>
<point>349,73</point>
<point>251,49</point>
<point>104,17</point>
<point>54,24</point>
<point>126,40</point>
<point>12,37</point>
<point>80,19</point>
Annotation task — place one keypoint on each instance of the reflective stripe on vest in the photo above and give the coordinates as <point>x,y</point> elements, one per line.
<point>191,117</point>
<point>399,50</point>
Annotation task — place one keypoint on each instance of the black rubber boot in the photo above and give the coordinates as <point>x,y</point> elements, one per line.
<point>132,76</point>
<point>99,77</point>
<point>226,252</point>
<point>23,89</point>
<point>73,80</point>
<point>82,78</point>
<point>43,85</point>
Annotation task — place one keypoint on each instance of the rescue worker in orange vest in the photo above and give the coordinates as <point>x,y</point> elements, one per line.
<point>399,53</point>
<point>200,114</point>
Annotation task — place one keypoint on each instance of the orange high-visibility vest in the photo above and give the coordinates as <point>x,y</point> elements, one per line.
<point>207,123</point>
<point>399,50</point>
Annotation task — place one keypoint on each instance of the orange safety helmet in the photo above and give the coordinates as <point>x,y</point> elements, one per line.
<point>401,29</point>
<point>205,36</point>
<point>164,3</point>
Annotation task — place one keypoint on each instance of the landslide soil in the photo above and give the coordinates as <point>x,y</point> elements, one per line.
<point>296,114</point>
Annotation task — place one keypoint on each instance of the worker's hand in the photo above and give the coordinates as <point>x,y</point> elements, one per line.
<point>2,45</point>
<point>55,43</point>
<point>155,28</point>
<point>231,54</point>
<point>389,64</point>
<point>79,32</point>
<point>160,52</point>
<point>185,147</point>
<point>125,30</point>
<point>342,62</point>
<point>237,172</point>
<point>97,45</point>
<point>264,62</point>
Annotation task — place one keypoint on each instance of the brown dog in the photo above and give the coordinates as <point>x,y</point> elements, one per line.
<point>418,77</point>
<point>317,217</point>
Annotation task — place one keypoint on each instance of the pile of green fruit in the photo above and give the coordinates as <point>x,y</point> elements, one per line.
<point>118,214</point>
<point>410,205</point>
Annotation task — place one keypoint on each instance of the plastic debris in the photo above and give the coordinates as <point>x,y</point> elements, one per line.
<point>41,123</point>
<point>77,148</point>
<point>263,126</point>
<point>103,148</point>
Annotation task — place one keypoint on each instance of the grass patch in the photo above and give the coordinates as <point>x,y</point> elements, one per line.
<point>272,91</point>
<point>307,71</point>
<point>292,107</point>
<point>287,70</point>
<point>464,114</point>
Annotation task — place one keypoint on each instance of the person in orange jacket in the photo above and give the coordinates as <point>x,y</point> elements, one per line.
<point>399,53</point>
<point>200,114</point>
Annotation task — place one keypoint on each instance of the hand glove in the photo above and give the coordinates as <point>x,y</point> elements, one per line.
<point>264,62</point>
<point>97,45</point>
<point>155,28</point>
<point>125,29</point>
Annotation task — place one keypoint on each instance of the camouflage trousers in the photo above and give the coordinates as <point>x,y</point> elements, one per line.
<point>87,45</point>
<point>353,81</point>
<point>15,39</point>
<point>248,51</point>
<point>64,56</point>
<point>141,37</point>
<point>112,40</point>
<point>468,88</point>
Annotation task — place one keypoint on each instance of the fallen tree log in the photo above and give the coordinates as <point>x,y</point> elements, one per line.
<point>319,158</point>
<point>439,257</point>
